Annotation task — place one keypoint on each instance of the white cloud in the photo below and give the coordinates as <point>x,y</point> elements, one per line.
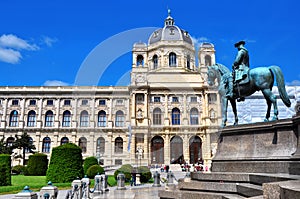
<point>49,41</point>
<point>14,42</point>
<point>293,83</point>
<point>55,83</point>
<point>10,56</point>
<point>199,40</point>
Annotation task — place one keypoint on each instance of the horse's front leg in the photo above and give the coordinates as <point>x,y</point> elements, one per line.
<point>224,111</point>
<point>233,104</point>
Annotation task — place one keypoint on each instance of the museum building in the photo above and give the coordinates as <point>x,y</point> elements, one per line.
<point>167,115</point>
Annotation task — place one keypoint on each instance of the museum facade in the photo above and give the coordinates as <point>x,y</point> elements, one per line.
<point>167,115</point>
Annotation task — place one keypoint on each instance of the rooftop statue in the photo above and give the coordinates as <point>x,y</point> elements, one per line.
<point>243,82</point>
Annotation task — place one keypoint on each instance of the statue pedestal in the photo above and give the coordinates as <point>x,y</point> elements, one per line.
<point>265,147</point>
<point>138,179</point>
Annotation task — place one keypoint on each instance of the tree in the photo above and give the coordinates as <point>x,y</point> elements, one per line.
<point>24,143</point>
<point>4,149</point>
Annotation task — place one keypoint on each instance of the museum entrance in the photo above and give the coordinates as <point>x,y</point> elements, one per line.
<point>176,149</point>
<point>195,149</point>
<point>157,150</point>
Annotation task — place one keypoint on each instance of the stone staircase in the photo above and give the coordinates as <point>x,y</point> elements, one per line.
<point>234,186</point>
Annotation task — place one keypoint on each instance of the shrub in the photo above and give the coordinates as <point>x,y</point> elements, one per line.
<point>94,170</point>
<point>37,165</point>
<point>88,162</point>
<point>145,173</point>
<point>65,163</point>
<point>5,170</point>
<point>18,169</point>
<point>126,169</point>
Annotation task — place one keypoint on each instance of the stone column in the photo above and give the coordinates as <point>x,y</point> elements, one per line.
<point>186,147</point>
<point>146,106</point>
<point>57,121</point>
<point>133,109</point>
<point>94,120</point>
<point>22,116</point>
<point>146,153</point>
<point>167,148</point>
<point>74,118</point>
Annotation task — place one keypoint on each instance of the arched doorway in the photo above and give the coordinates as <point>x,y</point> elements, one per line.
<point>157,150</point>
<point>176,148</point>
<point>195,149</point>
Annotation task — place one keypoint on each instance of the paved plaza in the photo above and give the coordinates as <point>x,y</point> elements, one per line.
<point>145,191</point>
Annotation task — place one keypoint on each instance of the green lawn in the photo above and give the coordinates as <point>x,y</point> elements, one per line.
<point>37,182</point>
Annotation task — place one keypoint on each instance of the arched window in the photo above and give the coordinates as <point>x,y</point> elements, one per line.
<point>84,119</point>
<point>64,140</point>
<point>49,119</point>
<point>194,116</point>
<point>46,145</point>
<point>118,145</point>
<point>207,60</point>
<point>13,119</point>
<point>82,144</point>
<point>140,60</point>
<point>10,141</point>
<point>100,146</point>
<point>175,116</point>
<point>155,62</point>
<point>172,59</point>
<point>27,150</point>
<point>31,118</point>
<point>120,119</point>
<point>188,62</point>
<point>102,118</point>
<point>66,119</point>
<point>157,116</point>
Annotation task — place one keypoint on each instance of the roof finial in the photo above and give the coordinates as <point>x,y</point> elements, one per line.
<point>169,12</point>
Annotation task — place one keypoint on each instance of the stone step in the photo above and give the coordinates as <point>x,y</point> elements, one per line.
<point>249,190</point>
<point>220,177</point>
<point>260,178</point>
<point>180,194</point>
<point>224,187</point>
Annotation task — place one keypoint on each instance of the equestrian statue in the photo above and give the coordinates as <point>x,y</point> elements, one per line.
<point>243,82</point>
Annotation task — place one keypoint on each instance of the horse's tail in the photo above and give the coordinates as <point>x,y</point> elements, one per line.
<point>281,85</point>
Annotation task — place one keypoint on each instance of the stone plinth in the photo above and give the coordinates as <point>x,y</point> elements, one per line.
<point>266,147</point>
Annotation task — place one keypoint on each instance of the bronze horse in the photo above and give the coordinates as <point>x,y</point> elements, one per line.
<point>260,79</point>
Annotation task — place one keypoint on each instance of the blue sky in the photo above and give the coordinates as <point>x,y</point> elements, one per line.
<point>48,42</point>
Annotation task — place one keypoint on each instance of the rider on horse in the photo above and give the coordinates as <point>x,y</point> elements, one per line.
<point>240,68</point>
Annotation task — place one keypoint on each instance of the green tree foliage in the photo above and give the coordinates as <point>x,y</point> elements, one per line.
<point>37,165</point>
<point>94,170</point>
<point>23,142</point>
<point>126,169</point>
<point>145,173</point>
<point>4,149</point>
<point>5,170</point>
<point>65,163</point>
<point>88,162</point>
<point>18,169</point>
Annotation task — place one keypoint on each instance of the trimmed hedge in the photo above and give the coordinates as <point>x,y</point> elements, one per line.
<point>18,169</point>
<point>126,169</point>
<point>65,163</point>
<point>94,170</point>
<point>37,165</point>
<point>88,162</point>
<point>145,173</point>
<point>5,170</point>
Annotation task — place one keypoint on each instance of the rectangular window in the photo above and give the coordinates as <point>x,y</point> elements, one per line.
<point>15,102</point>
<point>49,120</point>
<point>193,99</point>
<point>49,102</point>
<point>67,102</point>
<point>32,102</point>
<point>84,102</point>
<point>175,99</point>
<point>156,99</point>
<point>139,98</point>
<point>102,102</point>
<point>120,102</point>
<point>118,162</point>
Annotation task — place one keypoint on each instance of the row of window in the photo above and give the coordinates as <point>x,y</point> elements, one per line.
<point>102,118</point>
<point>67,102</point>
<point>172,61</point>
<point>66,120</point>
<point>175,116</point>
